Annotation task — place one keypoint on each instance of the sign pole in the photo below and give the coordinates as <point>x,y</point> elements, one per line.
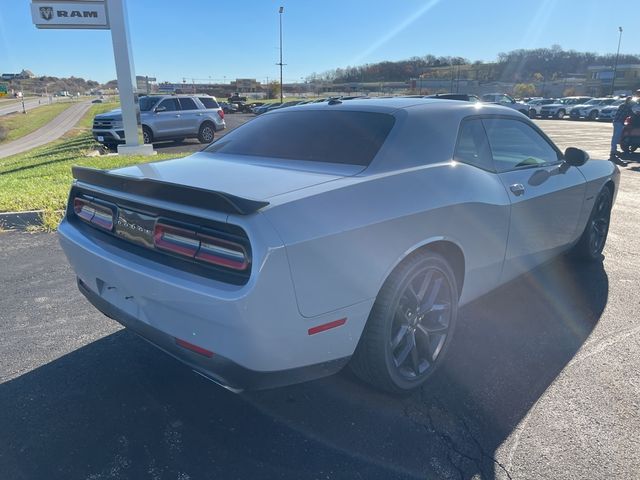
<point>126,79</point>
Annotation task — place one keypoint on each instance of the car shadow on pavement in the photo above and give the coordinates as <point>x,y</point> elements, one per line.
<point>117,408</point>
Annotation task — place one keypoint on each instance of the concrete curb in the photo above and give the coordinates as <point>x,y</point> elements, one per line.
<point>21,220</point>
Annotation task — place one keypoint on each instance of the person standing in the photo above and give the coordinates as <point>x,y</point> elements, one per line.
<point>623,112</point>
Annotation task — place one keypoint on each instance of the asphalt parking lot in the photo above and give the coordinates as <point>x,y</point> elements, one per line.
<point>542,381</point>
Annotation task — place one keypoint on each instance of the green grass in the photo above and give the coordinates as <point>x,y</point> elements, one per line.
<point>20,124</point>
<point>40,179</point>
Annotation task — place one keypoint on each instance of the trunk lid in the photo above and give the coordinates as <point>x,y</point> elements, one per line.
<point>256,178</point>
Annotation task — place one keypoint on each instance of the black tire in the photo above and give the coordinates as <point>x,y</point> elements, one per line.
<point>147,135</point>
<point>594,237</point>
<point>532,114</point>
<point>593,115</point>
<point>206,132</point>
<point>112,147</point>
<point>402,345</point>
<point>560,114</point>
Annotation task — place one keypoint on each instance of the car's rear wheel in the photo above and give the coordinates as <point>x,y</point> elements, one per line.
<point>594,237</point>
<point>593,115</point>
<point>147,135</point>
<point>560,114</point>
<point>206,132</point>
<point>410,325</point>
<point>532,114</point>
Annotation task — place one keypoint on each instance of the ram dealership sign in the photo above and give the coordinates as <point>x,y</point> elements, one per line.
<point>55,14</point>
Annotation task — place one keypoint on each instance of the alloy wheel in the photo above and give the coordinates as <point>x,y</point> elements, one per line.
<point>421,323</point>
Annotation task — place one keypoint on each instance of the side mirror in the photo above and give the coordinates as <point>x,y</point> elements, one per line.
<point>161,108</point>
<point>575,157</point>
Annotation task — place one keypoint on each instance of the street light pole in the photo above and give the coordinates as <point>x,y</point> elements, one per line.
<point>280,12</point>
<point>615,65</point>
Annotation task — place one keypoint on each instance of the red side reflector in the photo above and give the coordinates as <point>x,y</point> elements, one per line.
<point>327,326</point>
<point>194,348</point>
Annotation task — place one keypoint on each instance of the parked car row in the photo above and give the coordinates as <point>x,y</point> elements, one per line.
<point>575,108</point>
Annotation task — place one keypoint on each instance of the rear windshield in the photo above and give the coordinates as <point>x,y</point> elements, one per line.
<point>352,138</point>
<point>209,102</point>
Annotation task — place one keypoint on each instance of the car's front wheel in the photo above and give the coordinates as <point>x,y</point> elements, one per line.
<point>593,115</point>
<point>594,237</point>
<point>206,133</point>
<point>410,326</point>
<point>560,114</point>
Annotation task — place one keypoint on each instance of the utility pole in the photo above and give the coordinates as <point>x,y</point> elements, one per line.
<point>615,65</point>
<point>281,11</point>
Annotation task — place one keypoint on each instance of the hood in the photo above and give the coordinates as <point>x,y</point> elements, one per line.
<point>115,114</point>
<point>256,178</point>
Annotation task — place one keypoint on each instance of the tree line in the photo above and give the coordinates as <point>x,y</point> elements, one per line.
<point>520,65</point>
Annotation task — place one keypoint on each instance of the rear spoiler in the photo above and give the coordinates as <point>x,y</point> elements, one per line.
<point>171,192</point>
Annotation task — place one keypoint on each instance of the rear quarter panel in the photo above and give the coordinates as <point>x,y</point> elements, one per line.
<point>342,243</point>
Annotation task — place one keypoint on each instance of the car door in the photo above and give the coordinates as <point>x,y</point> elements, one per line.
<point>166,121</point>
<point>546,196</point>
<point>190,116</point>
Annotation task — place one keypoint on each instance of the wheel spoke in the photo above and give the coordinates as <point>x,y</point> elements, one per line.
<point>424,286</point>
<point>402,333</point>
<point>404,353</point>
<point>426,341</point>
<point>433,294</point>
<point>415,360</point>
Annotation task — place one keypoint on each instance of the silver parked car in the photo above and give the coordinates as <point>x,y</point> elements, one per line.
<point>165,117</point>
<point>331,234</point>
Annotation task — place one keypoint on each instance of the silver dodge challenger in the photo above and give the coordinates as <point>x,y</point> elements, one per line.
<point>347,232</point>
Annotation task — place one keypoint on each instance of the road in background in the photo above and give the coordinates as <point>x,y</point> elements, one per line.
<point>542,381</point>
<point>28,105</point>
<point>48,133</point>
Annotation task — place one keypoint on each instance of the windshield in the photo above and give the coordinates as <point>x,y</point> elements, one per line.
<point>147,103</point>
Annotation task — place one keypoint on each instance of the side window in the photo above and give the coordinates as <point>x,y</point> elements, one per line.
<point>170,105</point>
<point>209,102</point>
<point>473,146</point>
<point>187,104</point>
<point>514,144</point>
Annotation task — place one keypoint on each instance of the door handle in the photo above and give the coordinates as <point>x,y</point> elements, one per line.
<point>178,115</point>
<point>200,114</point>
<point>517,189</point>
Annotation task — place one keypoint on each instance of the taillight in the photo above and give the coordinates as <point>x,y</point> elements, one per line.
<point>93,213</point>
<point>201,247</point>
<point>222,252</point>
<point>176,240</point>
<point>221,113</point>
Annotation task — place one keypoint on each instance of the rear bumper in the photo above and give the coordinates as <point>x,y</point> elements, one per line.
<point>217,368</point>
<point>257,335</point>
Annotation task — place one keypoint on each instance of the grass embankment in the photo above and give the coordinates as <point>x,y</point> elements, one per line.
<point>16,125</point>
<point>40,179</point>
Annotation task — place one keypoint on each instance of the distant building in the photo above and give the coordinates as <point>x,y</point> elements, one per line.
<point>245,85</point>
<point>27,74</point>
<point>600,79</point>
